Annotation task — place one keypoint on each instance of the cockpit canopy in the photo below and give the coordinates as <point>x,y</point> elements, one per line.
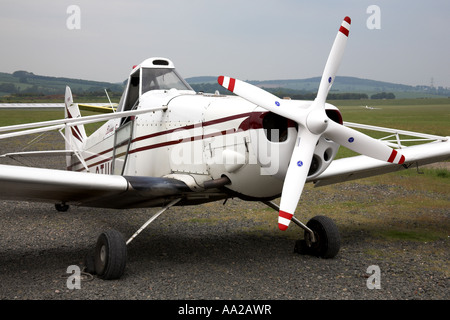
<point>152,74</point>
<point>162,79</point>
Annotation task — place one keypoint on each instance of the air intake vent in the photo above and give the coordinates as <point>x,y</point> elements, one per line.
<point>160,62</point>
<point>334,115</point>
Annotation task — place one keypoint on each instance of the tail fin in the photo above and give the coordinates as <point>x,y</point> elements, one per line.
<point>76,136</point>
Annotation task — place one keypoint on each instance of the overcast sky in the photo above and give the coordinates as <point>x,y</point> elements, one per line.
<point>246,39</point>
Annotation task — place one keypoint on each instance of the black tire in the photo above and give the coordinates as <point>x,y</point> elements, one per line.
<point>110,255</point>
<point>328,240</point>
<point>61,207</point>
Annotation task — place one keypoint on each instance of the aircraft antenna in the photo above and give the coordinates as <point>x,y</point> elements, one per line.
<point>110,103</point>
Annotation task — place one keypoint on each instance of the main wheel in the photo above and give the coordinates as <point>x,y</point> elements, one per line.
<point>61,207</point>
<point>110,255</point>
<point>327,239</point>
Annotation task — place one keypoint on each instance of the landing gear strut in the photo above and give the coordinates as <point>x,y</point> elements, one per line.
<point>321,237</point>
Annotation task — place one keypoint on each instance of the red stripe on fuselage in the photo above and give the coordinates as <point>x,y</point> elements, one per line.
<point>187,139</point>
<point>168,143</point>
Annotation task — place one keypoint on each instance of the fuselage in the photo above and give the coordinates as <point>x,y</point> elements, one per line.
<point>197,138</point>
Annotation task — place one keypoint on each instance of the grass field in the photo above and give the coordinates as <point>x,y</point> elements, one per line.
<point>421,115</point>
<point>18,116</point>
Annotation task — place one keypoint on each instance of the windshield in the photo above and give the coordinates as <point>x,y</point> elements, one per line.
<point>162,79</point>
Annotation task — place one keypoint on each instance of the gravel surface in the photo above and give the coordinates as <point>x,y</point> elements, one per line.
<point>211,252</point>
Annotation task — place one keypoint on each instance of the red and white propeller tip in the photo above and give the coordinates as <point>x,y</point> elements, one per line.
<point>284,218</point>
<point>345,26</point>
<point>227,82</point>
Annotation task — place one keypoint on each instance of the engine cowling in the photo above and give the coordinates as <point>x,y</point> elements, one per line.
<point>274,142</point>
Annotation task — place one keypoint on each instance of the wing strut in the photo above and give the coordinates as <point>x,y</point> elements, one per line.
<point>156,215</point>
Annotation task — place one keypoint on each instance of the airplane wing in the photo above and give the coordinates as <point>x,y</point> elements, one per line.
<point>87,189</point>
<point>358,167</point>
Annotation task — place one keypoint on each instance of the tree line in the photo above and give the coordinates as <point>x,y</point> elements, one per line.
<point>296,94</point>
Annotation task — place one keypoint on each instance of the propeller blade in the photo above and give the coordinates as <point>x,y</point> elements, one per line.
<point>255,95</point>
<point>362,143</point>
<point>296,175</point>
<point>334,61</point>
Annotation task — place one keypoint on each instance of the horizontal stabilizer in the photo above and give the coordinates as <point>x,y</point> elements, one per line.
<point>99,109</point>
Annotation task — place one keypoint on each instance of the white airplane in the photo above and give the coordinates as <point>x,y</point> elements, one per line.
<point>166,145</point>
<point>371,108</point>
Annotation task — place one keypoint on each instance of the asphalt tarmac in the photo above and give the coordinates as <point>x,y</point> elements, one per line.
<point>175,259</point>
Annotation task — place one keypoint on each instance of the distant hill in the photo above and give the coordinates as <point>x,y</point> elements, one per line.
<point>27,84</point>
<point>341,85</point>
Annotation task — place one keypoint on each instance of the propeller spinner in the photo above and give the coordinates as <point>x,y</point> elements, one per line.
<point>312,124</point>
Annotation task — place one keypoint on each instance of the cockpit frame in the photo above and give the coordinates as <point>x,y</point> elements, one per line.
<point>152,74</point>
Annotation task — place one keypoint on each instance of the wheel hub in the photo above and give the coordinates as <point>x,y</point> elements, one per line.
<point>103,254</point>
